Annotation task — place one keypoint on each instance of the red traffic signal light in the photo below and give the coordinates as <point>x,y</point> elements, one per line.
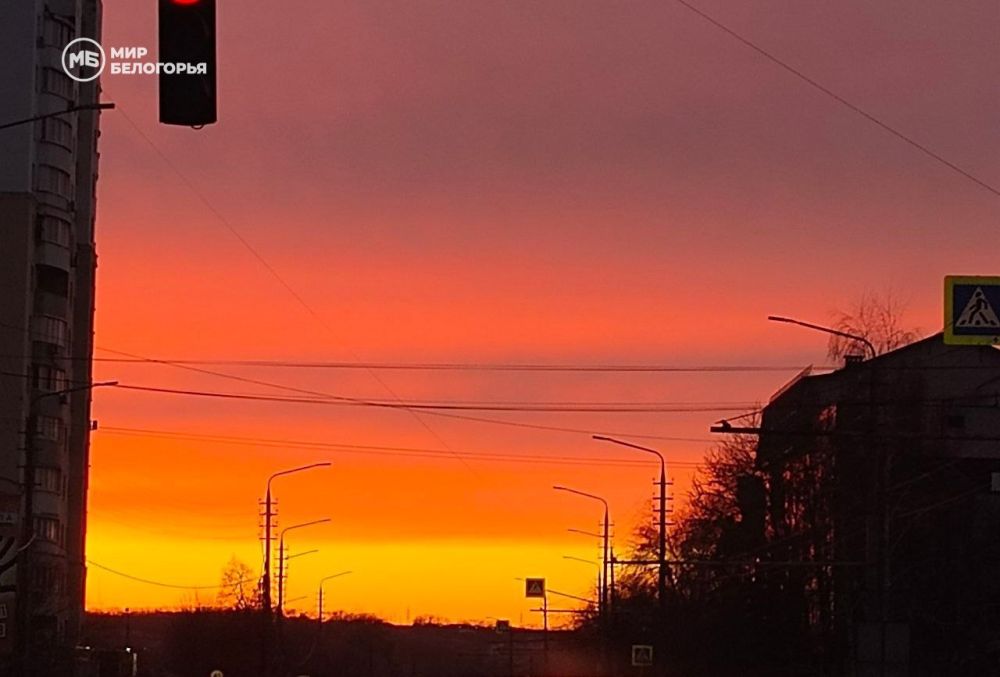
<point>188,62</point>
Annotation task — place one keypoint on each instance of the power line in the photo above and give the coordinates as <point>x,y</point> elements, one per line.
<point>464,417</point>
<point>274,273</point>
<point>431,406</point>
<point>441,414</point>
<point>382,450</point>
<point>841,100</point>
<point>467,366</point>
<point>161,584</point>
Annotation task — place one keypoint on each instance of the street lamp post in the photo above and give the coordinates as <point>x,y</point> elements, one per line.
<point>265,645</point>
<point>303,553</point>
<point>22,607</point>
<point>321,582</point>
<point>661,581</point>
<point>268,518</point>
<point>281,559</point>
<point>604,575</point>
<point>72,109</point>
<point>826,330</point>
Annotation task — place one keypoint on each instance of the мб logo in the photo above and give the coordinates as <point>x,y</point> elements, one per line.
<point>83,59</point>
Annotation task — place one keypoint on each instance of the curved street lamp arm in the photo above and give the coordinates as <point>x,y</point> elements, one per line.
<point>75,389</point>
<point>605,438</point>
<point>299,469</point>
<point>326,578</point>
<point>828,330</point>
<point>303,524</point>
<point>558,487</point>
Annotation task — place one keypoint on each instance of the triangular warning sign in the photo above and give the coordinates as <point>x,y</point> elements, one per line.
<point>534,587</point>
<point>978,312</point>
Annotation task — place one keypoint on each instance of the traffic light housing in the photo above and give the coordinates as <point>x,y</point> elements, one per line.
<point>187,62</point>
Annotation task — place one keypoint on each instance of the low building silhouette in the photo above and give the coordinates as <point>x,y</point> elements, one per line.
<point>882,498</point>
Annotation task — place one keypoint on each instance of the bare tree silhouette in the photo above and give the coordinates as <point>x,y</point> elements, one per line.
<point>878,317</point>
<point>238,589</point>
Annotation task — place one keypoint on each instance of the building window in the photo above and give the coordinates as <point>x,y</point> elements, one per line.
<point>50,529</point>
<point>58,131</point>
<point>52,280</point>
<point>47,579</point>
<point>58,83</point>
<point>54,230</point>
<point>54,180</point>
<point>49,479</point>
<point>48,379</point>
<point>57,33</point>
<point>49,329</point>
<point>48,428</point>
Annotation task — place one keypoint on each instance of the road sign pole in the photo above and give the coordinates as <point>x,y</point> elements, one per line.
<point>545,631</point>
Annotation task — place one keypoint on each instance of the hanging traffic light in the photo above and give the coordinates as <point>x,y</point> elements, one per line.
<point>187,62</point>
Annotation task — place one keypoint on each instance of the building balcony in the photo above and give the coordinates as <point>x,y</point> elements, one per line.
<point>50,329</point>
<point>51,305</point>
<point>53,255</point>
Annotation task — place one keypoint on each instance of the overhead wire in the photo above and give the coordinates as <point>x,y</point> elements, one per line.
<point>162,584</point>
<point>274,273</point>
<point>470,366</point>
<point>840,99</point>
<point>380,449</point>
<point>431,406</point>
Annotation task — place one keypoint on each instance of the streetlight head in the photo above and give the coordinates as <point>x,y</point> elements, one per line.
<point>778,318</point>
<point>105,383</point>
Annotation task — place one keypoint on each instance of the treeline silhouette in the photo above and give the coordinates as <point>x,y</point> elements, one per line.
<point>193,643</point>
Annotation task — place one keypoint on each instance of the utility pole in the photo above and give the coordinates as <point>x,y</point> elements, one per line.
<point>281,560</point>
<point>265,640</point>
<point>266,610</point>
<point>605,535</point>
<point>267,551</point>
<point>321,582</point>
<point>661,582</point>
<point>281,578</point>
<point>614,601</point>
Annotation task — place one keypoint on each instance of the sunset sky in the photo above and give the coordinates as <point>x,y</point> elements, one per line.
<point>583,183</point>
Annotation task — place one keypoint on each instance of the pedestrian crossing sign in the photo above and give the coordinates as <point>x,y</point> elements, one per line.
<point>971,310</point>
<point>534,587</point>
<point>642,655</point>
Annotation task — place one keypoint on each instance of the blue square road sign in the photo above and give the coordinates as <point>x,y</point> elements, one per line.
<point>971,310</point>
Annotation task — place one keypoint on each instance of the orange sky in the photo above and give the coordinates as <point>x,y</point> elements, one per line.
<point>482,182</point>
